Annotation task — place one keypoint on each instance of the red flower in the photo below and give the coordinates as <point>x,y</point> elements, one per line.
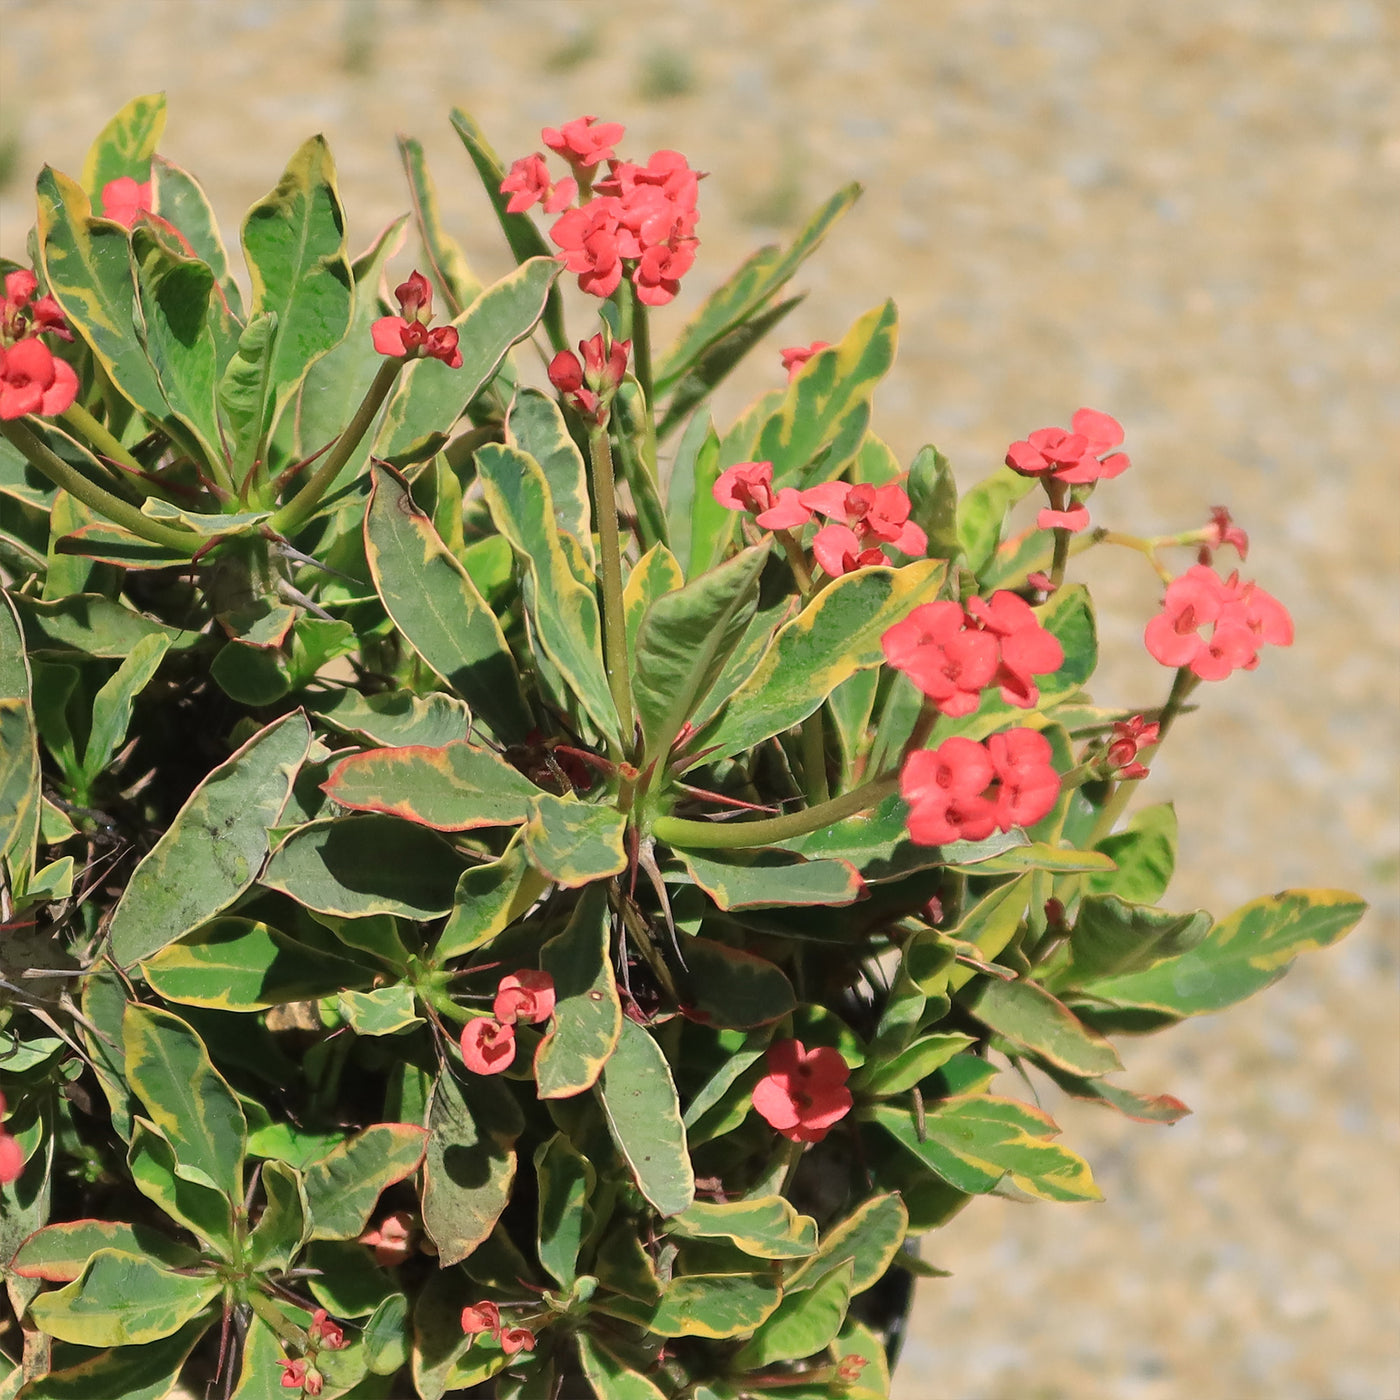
<point>589,243</point>
<point>1027,784</point>
<point>481,1317</point>
<point>11,1154</point>
<point>124,200</point>
<point>602,371</point>
<point>749,486</point>
<point>838,550</point>
<point>526,996</point>
<point>878,514</point>
<point>528,183</point>
<point>20,285</point>
<point>1075,456</point>
<point>944,788</point>
<point>415,298</point>
<point>297,1376</point>
<point>581,143</point>
<point>408,334</point>
<point>325,1333</point>
<point>514,1339</point>
<point>950,662</point>
<point>850,1366</point>
<point>392,1242</point>
<point>795,356</point>
<point>1027,649</point>
<point>32,380</point>
<point>488,1047</point>
<point>1240,617</point>
<point>1075,519</point>
<point>658,274</point>
<point>804,1091</point>
<point>1129,736</point>
<point>442,345</point>
<point>1221,531</point>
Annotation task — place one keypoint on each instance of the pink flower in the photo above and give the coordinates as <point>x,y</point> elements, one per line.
<point>1075,456</point>
<point>581,143</point>
<point>481,1317</point>
<point>325,1333</point>
<point>804,1091</point>
<point>1221,531</point>
<point>1129,737</point>
<point>11,1154</point>
<point>1027,784</point>
<point>839,551</point>
<point>392,1242</point>
<point>795,356</point>
<point>749,486</point>
<point>588,242</point>
<point>20,285</point>
<point>514,1339</point>
<point>488,1047</point>
<point>33,380</point>
<point>950,662</point>
<point>944,788</point>
<point>1026,648</point>
<point>1240,617</point>
<point>296,1375</point>
<point>878,514</point>
<point>528,183</point>
<point>1075,519</point>
<point>658,273</point>
<point>526,996</point>
<point>408,334</point>
<point>125,200</point>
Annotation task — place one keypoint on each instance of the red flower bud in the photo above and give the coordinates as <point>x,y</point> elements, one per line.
<point>415,296</point>
<point>565,372</point>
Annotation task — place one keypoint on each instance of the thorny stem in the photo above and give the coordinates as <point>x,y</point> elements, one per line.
<point>614,619</point>
<point>298,510</point>
<point>121,512</point>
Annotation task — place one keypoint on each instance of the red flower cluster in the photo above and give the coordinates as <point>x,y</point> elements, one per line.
<point>408,334</point>
<point>125,200</point>
<point>804,1091</point>
<point>865,517</point>
<point>488,1042</point>
<point>590,386</point>
<point>638,219</point>
<point>486,1317</point>
<point>32,378</point>
<point>1075,456</point>
<point>795,356</point>
<point>1214,626</point>
<point>297,1375</point>
<point>11,1154</point>
<point>1129,737</point>
<point>964,791</point>
<point>953,653</point>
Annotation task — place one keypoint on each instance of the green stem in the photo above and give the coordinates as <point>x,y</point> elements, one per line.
<point>641,357</point>
<point>78,418</point>
<point>120,512</point>
<point>814,759</point>
<point>797,562</point>
<point>675,831</point>
<point>614,618</point>
<point>298,510</point>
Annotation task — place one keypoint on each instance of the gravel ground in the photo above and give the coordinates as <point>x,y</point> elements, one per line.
<point>1183,215</point>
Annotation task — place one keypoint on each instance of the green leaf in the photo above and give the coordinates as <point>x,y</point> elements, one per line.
<point>770,879</point>
<point>343,1187</point>
<point>470,1163</point>
<point>395,718</point>
<point>1239,956</point>
<point>281,1230</point>
<point>654,575</point>
<point>1027,1014</point>
<point>573,843</point>
<point>803,1323</point>
<point>587,1013</point>
<point>683,641</point>
<point>246,393</point>
<point>189,333</point>
<point>258,1375</point>
<point>566,1181</point>
<point>447,263</point>
<point>1034,855</point>
<point>234,964</point>
<point>187,1099</point>
<point>429,398</point>
<point>695,520</point>
<point>611,1377</point>
<point>973,1141</point>
<point>444,1358</point>
<point>434,603</point>
<point>868,1239</point>
<point>913,1064</point>
<point>982,513</point>
<point>457,787</point>
<point>135,1373</point>
<point>89,623</point>
<point>104,543</point>
<point>487,899</point>
<point>832,638</point>
<point>739,299</point>
<point>766,1227</point>
<point>644,1115</point>
<point>564,611</point>
<point>356,866</point>
<point>933,501</point>
<point>111,707</point>
<point>733,987</point>
<point>524,238</point>
<point>718,1306</point>
<point>201,1209</point>
<point>536,426</point>
<point>1141,1108</point>
<point>215,846</point>
<point>1145,854</point>
<point>1111,938</point>
<point>179,199</point>
<point>294,244</point>
<point>88,267</point>
<point>103,1006</point>
<point>384,1011</point>
<point>123,1300</point>
<point>59,1253</point>
<point>20,789</point>
<point>125,145</point>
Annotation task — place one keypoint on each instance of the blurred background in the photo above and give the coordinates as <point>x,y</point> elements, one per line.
<point>1187,216</point>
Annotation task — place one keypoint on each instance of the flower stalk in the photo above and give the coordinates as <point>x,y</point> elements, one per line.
<point>610,544</point>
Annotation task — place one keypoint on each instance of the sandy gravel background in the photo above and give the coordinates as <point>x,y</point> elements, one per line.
<point>1183,214</point>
